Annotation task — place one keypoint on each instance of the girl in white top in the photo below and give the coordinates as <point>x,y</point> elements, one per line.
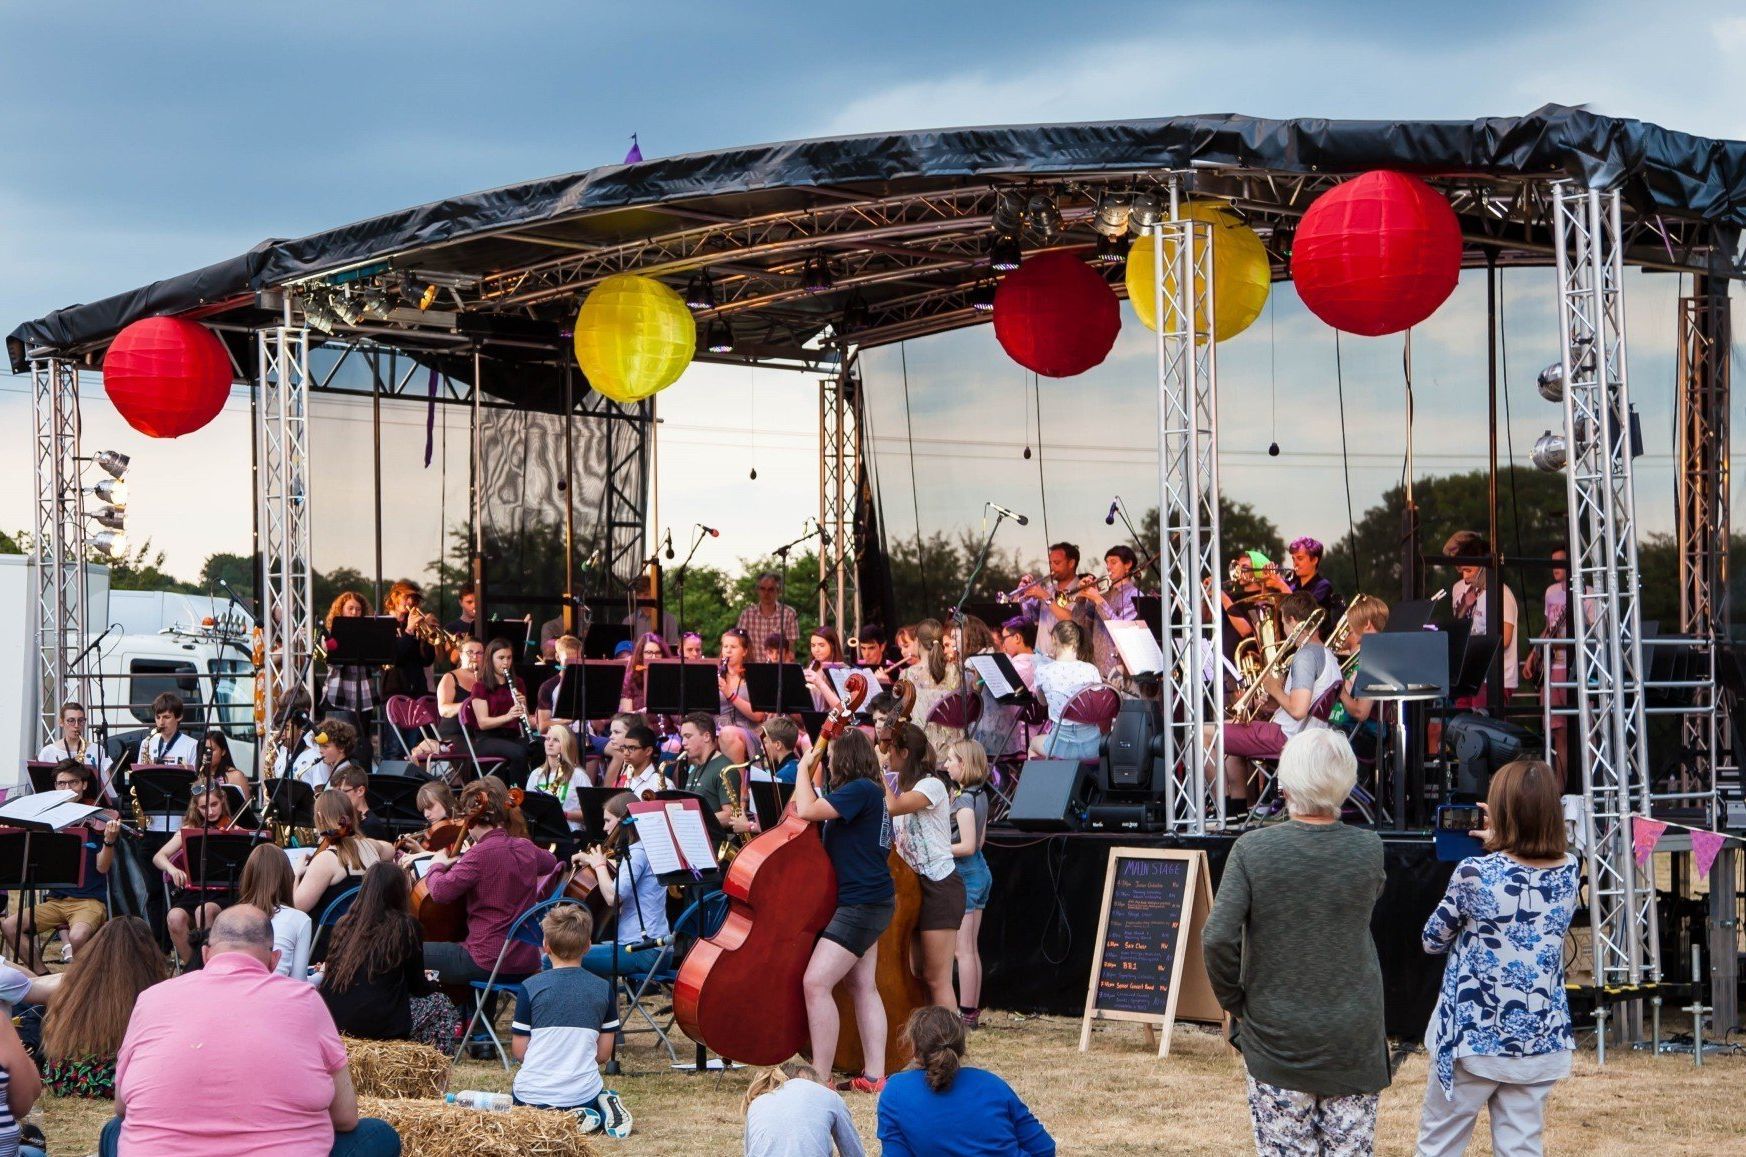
<point>556,777</point>
<point>790,1113</point>
<point>267,884</point>
<point>920,813</point>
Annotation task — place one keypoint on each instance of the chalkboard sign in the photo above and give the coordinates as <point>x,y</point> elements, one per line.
<point>1148,966</point>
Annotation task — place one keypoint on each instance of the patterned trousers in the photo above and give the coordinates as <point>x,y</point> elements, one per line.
<point>1293,1124</point>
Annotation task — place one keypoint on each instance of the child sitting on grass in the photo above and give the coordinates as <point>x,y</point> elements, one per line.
<point>789,1113</point>
<point>564,1023</point>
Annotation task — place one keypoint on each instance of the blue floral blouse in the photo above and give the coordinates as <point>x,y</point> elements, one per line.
<point>1502,924</point>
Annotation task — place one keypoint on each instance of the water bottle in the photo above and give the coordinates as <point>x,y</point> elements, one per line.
<point>484,1102</point>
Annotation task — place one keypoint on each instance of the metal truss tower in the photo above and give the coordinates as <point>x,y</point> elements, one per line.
<point>59,545</point>
<point>839,474</point>
<point>282,520</point>
<point>1193,689</point>
<point>1606,625</point>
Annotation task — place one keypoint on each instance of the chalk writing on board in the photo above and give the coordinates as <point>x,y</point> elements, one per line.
<point>1140,941</point>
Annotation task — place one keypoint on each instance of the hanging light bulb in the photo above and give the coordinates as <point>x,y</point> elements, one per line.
<point>754,474</point>
<point>1548,453</point>
<point>1273,449</point>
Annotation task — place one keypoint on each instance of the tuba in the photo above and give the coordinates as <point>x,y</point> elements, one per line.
<point>1248,704</point>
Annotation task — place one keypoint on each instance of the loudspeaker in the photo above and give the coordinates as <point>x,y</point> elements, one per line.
<point>1128,763</point>
<point>1050,794</point>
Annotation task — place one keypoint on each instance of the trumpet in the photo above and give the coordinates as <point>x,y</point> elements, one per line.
<point>1026,582</point>
<point>426,629</point>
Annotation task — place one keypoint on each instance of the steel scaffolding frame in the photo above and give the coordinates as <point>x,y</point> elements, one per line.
<point>282,520</point>
<point>625,494</point>
<point>1188,484</point>
<point>59,546</point>
<point>1606,624</point>
<point>839,474</point>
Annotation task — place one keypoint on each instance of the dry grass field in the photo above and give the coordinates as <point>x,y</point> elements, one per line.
<point>1119,1098</point>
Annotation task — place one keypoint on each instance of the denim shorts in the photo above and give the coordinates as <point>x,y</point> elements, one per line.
<point>978,880</point>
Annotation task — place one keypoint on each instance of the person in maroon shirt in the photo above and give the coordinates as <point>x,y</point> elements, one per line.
<point>498,877</point>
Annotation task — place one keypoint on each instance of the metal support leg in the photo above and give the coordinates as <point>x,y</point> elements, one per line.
<point>59,545</point>
<point>282,515</point>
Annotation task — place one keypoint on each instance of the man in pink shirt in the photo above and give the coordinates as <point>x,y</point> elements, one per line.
<point>237,1059</point>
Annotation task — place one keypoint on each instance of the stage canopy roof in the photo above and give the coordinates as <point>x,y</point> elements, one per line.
<point>900,225</point>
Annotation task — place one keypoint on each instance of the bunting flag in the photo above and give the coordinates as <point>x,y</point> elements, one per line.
<point>636,152</point>
<point>1704,848</point>
<point>1645,834</point>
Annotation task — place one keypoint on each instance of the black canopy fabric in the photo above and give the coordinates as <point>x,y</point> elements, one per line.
<point>1670,174</point>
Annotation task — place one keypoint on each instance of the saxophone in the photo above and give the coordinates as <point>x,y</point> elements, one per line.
<point>731,843</point>
<point>139,816</point>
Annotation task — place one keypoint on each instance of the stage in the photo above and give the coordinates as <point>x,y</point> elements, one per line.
<point>1038,932</point>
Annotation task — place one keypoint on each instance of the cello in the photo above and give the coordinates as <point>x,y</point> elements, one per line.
<point>739,991</point>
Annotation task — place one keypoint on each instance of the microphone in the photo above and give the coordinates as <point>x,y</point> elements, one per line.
<point>1109,519</point>
<point>824,536</point>
<point>710,530</point>
<point>669,544</point>
<point>1018,518</point>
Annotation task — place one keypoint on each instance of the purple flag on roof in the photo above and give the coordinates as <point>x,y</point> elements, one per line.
<point>636,152</point>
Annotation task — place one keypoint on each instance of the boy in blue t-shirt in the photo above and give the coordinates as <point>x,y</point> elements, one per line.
<point>564,1023</point>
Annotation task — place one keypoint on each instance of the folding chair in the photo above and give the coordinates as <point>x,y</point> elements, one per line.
<point>699,920</point>
<point>957,710</point>
<point>1095,706</point>
<point>330,915</point>
<point>524,930</point>
<point>424,716</point>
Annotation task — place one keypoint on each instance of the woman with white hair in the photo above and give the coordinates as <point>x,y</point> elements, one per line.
<point>1289,954</point>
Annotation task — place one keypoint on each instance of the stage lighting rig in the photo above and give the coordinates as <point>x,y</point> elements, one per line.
<point>112,462</point>
<point>1146,212</point>
<point>1009,212</point>
<point>1110,250</point>
<point>1111,219</point>
<point>110,542</point>
<point>109,516</point>
<point>700,291</point>
<point>816,278</point>
<point>1548,453</point>
<point>1005,254</point>
<point>720,337</point>
<point>112,491</point>
<point>1043,217</point>
<point>982,297</point>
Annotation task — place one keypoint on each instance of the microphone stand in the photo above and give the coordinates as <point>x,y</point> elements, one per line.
<point>781,553</point>
<point>957,612</point>
<point>679,578</point>
<point>100,730</point>
<point>1139,543</point>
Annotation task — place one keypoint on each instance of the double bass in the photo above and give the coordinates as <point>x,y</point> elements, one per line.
<point>739,991</point>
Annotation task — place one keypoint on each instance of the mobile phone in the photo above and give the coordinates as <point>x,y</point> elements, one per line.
<point>1461,818</point>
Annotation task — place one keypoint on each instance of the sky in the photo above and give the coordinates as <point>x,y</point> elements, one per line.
<point>148,140</point>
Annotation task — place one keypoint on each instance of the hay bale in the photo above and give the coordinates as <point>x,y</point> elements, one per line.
<point>396,1068</point>
<point>434,1129</point>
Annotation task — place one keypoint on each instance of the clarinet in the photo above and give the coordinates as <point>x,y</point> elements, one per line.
<point>528,731</point>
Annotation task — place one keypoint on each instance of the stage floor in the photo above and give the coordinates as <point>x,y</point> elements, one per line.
<point>1041,922</point>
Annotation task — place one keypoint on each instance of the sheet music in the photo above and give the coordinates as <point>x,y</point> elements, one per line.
<point>655,833</point>
<point>992,675</point>
<point>50,809</point>
<point>687,825</point>
<point>1136,645</point>
<point>840,676</point>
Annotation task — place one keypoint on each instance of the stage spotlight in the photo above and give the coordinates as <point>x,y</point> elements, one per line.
<point>108,516</point>
<point>112,462</point>
<point>1009,212</point>
<point>855,313</point>
<point>817,276</point>
<point>720,337</point>
<point>1146,212</point>
<point>110,490</point>
<point>317,316</point>
<point>347,310</point>
<point>982,297</point>
<point>1548,453</point>
<point>700,291</point>
<point>375,305</point>
<point>427,298</point>
<point>1005,254</point>
<point>1552,382</point>
<point>1112,214</point>
<point>1110,250</point>
<point>110,542</point>
<point>1043,217</point>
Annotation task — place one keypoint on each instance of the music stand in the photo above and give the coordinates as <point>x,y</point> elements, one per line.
<point>1405,667</point>
<point>163,789</point>
<point>1412,615</point>
<point>366,641</point>
<point>33,859</point>
<point>770,799</point>
<point>393,799</point>
<point>603,639</point>
<point>669,696</point>
<point>590,690</point>
<point>1471,663</point>
<point>544,815</point>
<point>217,857</point>
<point>592,803</point>
<point>291,802</point>
<point>1150,608</point>
<point>512,631</point>
<point>763,679</point>
<point>716,832</point>
<point>42,775</point>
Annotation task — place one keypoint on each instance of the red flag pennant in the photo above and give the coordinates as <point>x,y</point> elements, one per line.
<point>1704,848</point>
<point>1645,834</point>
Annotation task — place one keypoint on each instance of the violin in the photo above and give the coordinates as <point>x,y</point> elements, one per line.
<point>739,991</point>
<point>441,836</point>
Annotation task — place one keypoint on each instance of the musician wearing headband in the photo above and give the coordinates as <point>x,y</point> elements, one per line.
<point>168,743</point>
<point>80,910</point>
<point>497,878</point>
<point>1305,575</point>
<point>767,616</point>
<point>1469,599</point>
<point>1314,673</point>
<point>691,647</point>
<point>194,903</point>
<point>75,744</point>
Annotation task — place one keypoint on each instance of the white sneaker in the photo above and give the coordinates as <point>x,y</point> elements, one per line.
<point>615,1118</point>
<point>586,1119</point>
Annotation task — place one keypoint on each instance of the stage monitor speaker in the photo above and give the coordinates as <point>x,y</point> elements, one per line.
<point>1480,745</point>
<point>1051,793</point>
<point>1129,762</point>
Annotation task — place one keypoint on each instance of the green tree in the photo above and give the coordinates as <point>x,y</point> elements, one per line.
<point>927,574</point>
<point>17,542</point>
<point>141,569</point>
<point>240,571</point>
<point>1240,528</point>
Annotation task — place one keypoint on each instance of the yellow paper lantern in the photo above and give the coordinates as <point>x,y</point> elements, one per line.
<point>634,337</point>
<point>1242,277</point>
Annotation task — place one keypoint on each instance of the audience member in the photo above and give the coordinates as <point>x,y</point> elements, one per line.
<point>374,981</point>
<point>565,1018</point>
<point>939,1108</point>
<point>234,1058</point>
<point>790,1113</point>
<point>81,1034</point>
<point>20,1086</point>
<point>1500,1037</point>
<point>1290,956</point>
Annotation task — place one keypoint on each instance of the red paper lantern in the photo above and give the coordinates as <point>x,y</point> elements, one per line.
<point>168,376</point>
<point>1377,254</point>
<point>1055,315</point>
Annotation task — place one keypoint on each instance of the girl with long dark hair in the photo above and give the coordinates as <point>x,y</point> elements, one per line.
<point>81,1034</point>
<point>374,982</point>
<point>497,710</point>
